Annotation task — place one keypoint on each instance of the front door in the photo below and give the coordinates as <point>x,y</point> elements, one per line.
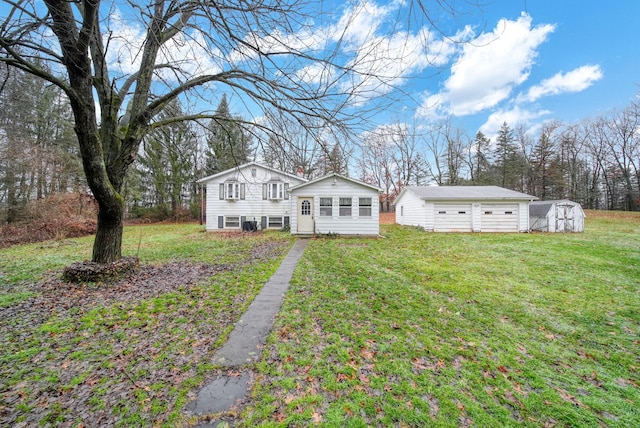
<point>305,215</point>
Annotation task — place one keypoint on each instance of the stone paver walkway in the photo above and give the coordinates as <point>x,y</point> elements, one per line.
<point>244,345</point>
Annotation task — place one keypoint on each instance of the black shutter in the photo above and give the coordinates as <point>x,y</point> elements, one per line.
<point>286,220</point>
<point>221,190</point>
<point>242,220</point>
<point>220,222</point>
<point>263,223</point>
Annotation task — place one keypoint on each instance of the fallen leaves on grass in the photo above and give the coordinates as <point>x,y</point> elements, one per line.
<point>118,353</point>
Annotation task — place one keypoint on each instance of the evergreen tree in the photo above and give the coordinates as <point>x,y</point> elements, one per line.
<point>166,165</point>
<point>481,164</point>
<point>228,143</point>
<point>508,162</point>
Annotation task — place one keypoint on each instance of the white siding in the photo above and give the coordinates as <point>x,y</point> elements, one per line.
<point>523,215</point>
<point>410,210</point>
<point>253,207</point>
<point>343,225</point>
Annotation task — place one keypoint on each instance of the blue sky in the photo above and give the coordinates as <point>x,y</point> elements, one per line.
<point>538,60</point>
<point>585,33</point>
<point>523,61</point>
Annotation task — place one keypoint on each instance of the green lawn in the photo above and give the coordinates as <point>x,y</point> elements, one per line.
<point>413,329</point>
<point>422,329</point>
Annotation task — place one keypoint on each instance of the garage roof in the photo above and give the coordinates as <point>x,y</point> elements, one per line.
<point>445,193</point>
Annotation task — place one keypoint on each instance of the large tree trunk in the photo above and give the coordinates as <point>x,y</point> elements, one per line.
<point>107,247</point>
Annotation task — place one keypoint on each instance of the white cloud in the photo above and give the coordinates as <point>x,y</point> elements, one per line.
<point>360,22</point>
<point>513,117</point>
<point>573,81</point>
<point>317,74</point>
<point>489,67</point>
<point>374,60</point>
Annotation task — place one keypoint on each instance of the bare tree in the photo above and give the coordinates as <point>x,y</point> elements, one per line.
<point>623,141</point>
<point>436,149</point>
<point>121,63</point>
<point>377,166</point>
<point>290,147</point>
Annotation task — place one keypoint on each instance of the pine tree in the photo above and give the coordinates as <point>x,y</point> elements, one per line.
<point>481,166</point>
<point>506,157</point>
<point>228,144</point>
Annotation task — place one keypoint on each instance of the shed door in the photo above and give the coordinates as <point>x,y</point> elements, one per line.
<point>452,218</point>
<point>565,218</point>
<point>305,215</point>
<point>499,218</point>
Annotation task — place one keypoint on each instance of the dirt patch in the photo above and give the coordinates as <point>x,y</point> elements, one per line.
<point>387,218</point>
<point>612,215</point>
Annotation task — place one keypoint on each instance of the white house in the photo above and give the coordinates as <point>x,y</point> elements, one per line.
<point>250,196</point>
<point>463,208</point>
<point>556,216</point>
<point>335,204</point>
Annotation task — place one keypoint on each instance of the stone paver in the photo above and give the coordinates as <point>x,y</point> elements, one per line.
<point>245,342</point>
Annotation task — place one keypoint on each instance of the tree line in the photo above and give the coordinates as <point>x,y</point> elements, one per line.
<point>595,162</point>
<point>39,153</point>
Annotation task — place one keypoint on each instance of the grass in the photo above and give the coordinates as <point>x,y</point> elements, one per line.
<point>414,329</point>
<point>445,330</point>
<point>123,356</point>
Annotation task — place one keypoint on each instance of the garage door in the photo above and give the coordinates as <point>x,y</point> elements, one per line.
<point>499,218</point>
<point>452,218</point>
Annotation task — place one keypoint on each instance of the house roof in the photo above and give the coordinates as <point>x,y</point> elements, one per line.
<point>247,165</point>
<point>338,176</point>
<point>446,193</point>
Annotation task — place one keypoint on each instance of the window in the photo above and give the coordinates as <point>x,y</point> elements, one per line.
<point>275,222</point>
<point>365,207</point>
<point>326,207</point>
<point>232,222</point>
<point>276,190</point>
<point>254,172</point>
<point>231,190</point>
<point>345,207</point>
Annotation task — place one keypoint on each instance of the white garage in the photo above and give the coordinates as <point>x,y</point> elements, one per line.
<point>463,208</point>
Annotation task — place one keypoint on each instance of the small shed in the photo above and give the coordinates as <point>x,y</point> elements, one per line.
<point>335,204</point>
<point>556,216</point>
<point>463,208</point>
